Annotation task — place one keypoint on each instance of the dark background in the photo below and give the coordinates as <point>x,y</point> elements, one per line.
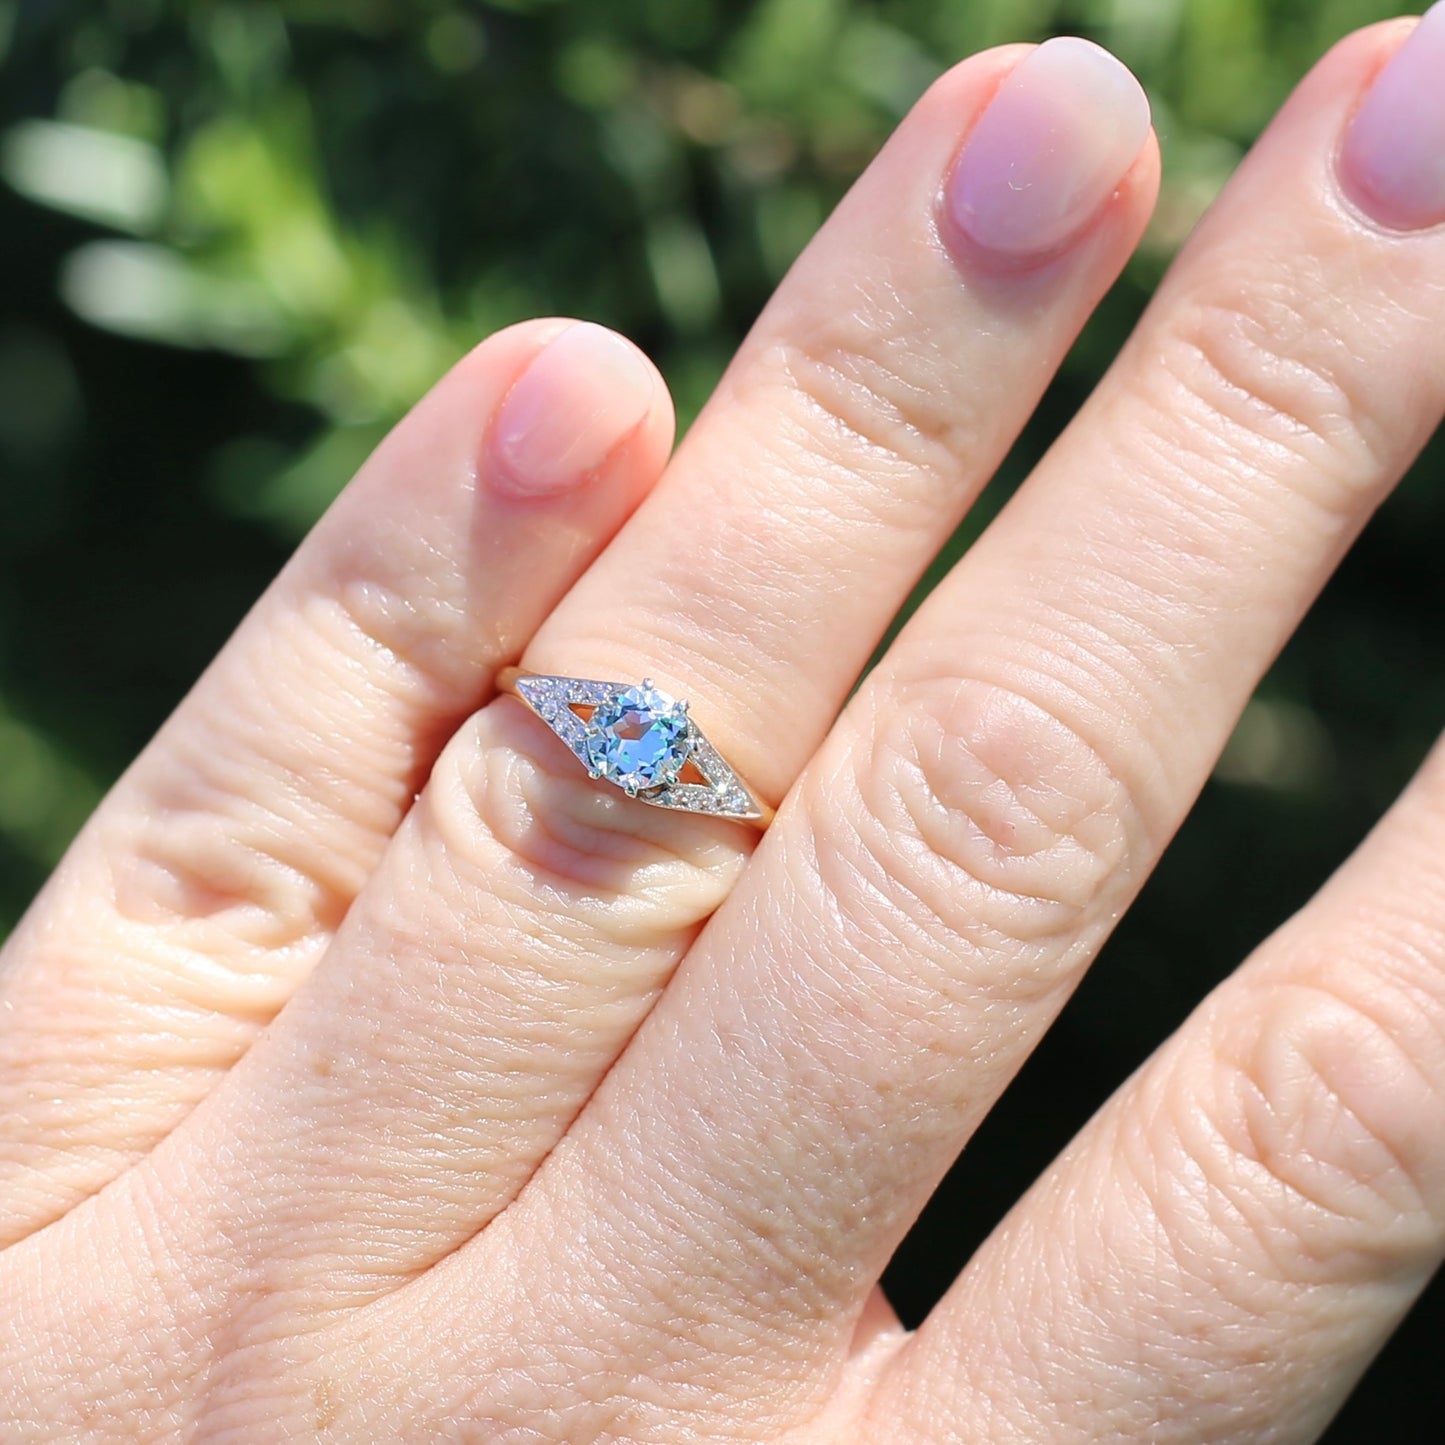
<point>240,239</point>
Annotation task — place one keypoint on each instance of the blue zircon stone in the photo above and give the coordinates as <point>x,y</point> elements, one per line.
<point>640,739</point>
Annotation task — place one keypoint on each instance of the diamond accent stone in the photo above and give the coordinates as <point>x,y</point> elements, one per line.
<point>641,738</point>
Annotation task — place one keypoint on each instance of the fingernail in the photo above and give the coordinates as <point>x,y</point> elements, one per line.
<point>1050,149</point>
<point>1393,158</point>
<point>582,394</point>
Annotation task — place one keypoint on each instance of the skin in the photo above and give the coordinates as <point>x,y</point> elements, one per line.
<point>327,1113</point>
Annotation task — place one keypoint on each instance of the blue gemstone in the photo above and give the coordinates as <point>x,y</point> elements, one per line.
<point>641,739</point>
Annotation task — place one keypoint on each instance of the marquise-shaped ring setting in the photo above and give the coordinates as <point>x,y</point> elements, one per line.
<point>638,739</point>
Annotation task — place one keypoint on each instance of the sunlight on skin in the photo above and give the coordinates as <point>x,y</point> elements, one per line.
<point>495,1105</point>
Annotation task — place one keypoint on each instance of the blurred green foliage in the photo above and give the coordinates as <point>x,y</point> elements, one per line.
<point>242,236</point>
<point>339,196</point>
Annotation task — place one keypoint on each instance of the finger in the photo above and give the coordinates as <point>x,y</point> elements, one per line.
<point>878,393</point>
<point>1239,1229</point>
<point>992,798</point>
<point>216,872</point>
<point>554,912</point>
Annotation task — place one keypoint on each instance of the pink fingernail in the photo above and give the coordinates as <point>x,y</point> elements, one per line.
<point>1393,158</point>
<point>582,394</point>
<point>1050,149</point>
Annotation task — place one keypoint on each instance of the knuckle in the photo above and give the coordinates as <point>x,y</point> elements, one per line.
<point>231,861</point>
<point>1267,374</point>
<point>1002,822</point>
<point>225,892</point>
<point>509,810</point>
<point>1311,1122</point>
<point>393,604</point>
<point>228,896</point>
<point>874,399</point>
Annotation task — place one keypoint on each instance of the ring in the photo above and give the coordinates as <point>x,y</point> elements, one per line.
<point>640,740</point>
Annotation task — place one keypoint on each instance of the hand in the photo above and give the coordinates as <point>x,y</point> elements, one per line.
<point>333,1109</point>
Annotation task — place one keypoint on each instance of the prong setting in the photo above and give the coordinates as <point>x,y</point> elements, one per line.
<point>638,740</point>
